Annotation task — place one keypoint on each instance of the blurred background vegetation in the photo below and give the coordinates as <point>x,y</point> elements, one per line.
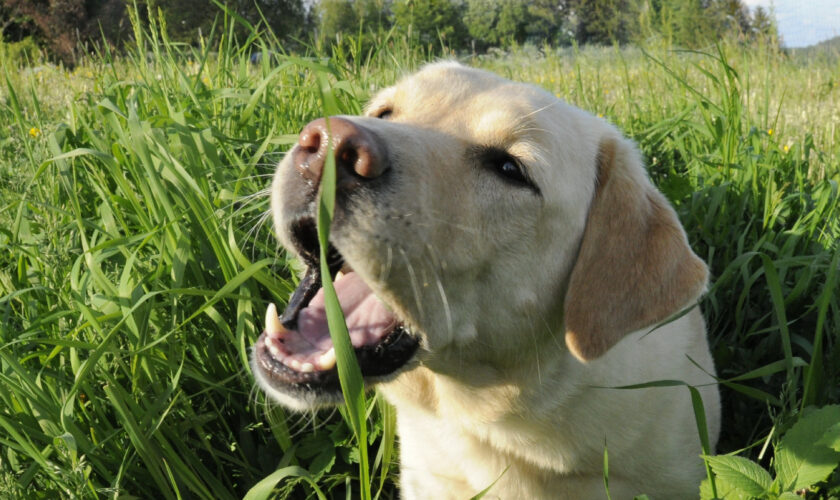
<point>66,28</point>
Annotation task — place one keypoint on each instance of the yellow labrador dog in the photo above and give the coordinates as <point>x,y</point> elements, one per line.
<point>501,258</point>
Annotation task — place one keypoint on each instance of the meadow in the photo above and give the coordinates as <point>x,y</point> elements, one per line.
<point>136,258</point>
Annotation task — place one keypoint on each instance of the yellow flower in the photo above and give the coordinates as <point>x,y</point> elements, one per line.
<point>600,115</point>
<point>786,148</point>
<point>34,132</point>
<point>770,131</point>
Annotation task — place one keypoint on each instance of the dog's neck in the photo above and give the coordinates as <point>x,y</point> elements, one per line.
<point>488,389</point>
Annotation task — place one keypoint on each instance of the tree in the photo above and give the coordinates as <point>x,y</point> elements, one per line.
<point>335,17</point>
<point>185,19</point>
<point>374,14</point>
<point>59,25</point>
<point>693,27</point>
<point>696,23</point>
<point>546,21</point>
<point>513,21</point>
<point>348,16</point>
<point>480,20</point>
<point>730,17</point>
<point>763,25</point>
<point>604,21</point>
<point>497,22</point>
<point>430,20</point>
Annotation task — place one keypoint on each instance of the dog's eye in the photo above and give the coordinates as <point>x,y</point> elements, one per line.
<point>505,166</point>
<point>384,113</point>
<point>510,169</point>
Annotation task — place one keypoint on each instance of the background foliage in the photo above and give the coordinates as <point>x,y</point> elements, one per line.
<point>135,258</point>
<point>475,25</point>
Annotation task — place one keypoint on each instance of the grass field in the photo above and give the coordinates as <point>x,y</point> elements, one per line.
<point>136,259</point>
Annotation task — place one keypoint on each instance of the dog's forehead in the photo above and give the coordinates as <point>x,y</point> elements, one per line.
<point>552,138</point>
<point>484,106</point>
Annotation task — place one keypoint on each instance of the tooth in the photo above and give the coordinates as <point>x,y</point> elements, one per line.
<point>339,275</point>
<point>295,364</point>
<point>327,360</point>
<point>273,348</point>
<point>273,326</point>
<point>307,367</point>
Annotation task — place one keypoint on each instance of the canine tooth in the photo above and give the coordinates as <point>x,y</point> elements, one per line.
<point>273,326</point>
<point>327,360</point>
<point>339,275</point>
<point>307,367</point>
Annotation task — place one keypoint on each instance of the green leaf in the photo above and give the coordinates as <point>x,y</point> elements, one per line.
<point>323,462</point>
<point>263,489</point>
<point>725,491</point>
<point>789,495</point>
<point>831,438</point>
<point>742,474</point>
<point>800,461</point>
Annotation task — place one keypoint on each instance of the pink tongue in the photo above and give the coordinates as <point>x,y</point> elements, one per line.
<point>368,320</point>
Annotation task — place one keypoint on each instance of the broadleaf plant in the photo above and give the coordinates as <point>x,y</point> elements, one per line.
<point>805,455</point>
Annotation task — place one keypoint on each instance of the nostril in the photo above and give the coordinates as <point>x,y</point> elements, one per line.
<point>310,140</point>
<point>367,165</point>
<point>347,158</point>
<point>359,155</point>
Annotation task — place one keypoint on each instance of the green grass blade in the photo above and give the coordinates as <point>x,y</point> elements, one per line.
<point>775,288</point>
<point>480,494</point>
<point>349,373</point>
<point>813,372</point>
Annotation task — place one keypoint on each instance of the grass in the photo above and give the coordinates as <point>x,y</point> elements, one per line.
<point>136,259</point>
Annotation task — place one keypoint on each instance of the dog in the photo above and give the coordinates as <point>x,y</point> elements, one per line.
<point>504,264</point>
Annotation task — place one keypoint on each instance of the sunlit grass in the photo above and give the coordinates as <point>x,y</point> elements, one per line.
<point>136,258</point>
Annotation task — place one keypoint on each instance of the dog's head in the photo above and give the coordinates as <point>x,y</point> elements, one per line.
<point>473,215</point>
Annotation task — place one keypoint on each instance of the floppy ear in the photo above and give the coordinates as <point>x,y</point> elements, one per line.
<point>634,267</point>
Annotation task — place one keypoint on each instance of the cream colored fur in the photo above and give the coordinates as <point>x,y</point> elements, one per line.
<point>530,305</point>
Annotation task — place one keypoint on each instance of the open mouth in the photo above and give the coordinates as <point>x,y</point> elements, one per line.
<point>296,349</point>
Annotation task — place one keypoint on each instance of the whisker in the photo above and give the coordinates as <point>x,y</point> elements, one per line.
<point>415,286</point>
<point>436,265</point>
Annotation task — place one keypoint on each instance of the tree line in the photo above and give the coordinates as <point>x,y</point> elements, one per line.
<point>480,24</point>
<point>460,25</point>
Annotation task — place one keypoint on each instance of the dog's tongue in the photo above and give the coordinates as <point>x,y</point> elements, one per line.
<point>368,320</point>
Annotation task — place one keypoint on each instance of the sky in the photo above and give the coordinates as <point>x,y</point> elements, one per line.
<point>803,22</point>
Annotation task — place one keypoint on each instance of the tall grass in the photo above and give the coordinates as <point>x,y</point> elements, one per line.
<point>136,259</point>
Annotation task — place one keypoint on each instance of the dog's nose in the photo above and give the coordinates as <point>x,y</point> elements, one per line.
<point>359,156</point>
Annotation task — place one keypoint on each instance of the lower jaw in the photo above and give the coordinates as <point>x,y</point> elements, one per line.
<point>378,362</point>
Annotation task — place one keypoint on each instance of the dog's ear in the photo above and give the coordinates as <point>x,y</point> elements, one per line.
<point>634,267</point>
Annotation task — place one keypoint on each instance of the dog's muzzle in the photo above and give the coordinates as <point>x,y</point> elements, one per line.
<point>295,352</point>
